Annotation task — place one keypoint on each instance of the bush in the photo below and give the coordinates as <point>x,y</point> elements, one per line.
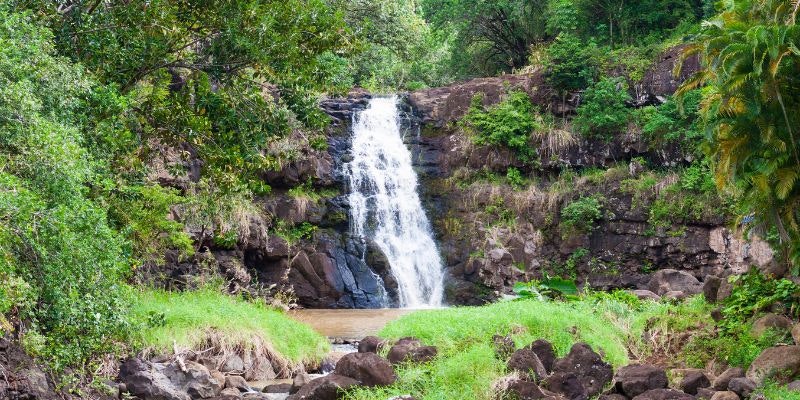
<point>582,214</point>
<point>55,241</point>
<point>602,112</point>
<point>508,123</point>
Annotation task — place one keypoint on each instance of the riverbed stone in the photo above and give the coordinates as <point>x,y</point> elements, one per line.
<point>694,380</point>
<point>300,379</point>
<point>329,387</point>
<point>742,386</point>
<point>725,395</point>
<point>236,382</point>
<point>370,344</point>
<point>368,368</point>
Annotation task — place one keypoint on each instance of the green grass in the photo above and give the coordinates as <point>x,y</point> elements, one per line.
<point>774,391</point>
<point>466,365</point>
<point>192,319</point>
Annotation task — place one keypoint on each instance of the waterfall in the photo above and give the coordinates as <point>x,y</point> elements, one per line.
<point>385,206</point>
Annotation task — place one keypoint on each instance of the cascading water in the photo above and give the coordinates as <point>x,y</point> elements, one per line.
<point>385,206</point>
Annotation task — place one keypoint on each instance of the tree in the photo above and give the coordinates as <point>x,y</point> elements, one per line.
<point>752,110</point>
<point>498,34</point>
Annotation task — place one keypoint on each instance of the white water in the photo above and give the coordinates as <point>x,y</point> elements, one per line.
<point>385,206</point>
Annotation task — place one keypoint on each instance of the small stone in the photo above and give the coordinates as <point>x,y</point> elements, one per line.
<point>278,388</point>
<point>705,393</point>
<point>233,363</point>
<point>230,394</point>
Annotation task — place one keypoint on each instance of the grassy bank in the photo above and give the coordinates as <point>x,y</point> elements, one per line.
<point>206,317</point>
<point>467,366</point>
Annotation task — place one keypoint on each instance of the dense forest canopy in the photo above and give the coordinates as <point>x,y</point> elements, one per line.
<point>90,89</point>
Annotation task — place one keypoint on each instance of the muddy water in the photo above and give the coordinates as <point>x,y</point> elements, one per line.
<point>348,324</point>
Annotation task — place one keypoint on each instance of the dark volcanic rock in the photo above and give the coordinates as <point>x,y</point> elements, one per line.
<point>781,363</point>
<point>527,362</point>
<point>567,384</point>
<point>742,386</point>
<point>544,350</point>
<point>167,381</point>
<point>633,380</point>
<point>593,373</point>
<point>370,344</point>
<point>670,280</point>
<point>721,382</point>
<point>411,350</point>
<point>328,387</point>
<point>693,381</point>
<point>368,368</point>
<point>664,394</point>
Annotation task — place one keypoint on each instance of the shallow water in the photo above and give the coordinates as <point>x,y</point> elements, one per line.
<point>348,324</point>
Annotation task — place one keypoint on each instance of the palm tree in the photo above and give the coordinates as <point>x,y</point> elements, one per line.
<point>751,108</point>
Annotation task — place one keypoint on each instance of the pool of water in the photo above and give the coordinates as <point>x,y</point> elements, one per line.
<point>348,324</point>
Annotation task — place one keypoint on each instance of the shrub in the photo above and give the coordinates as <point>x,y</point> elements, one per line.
<point>514,178</point>
<point>602,112</point>
<point>582,214</point>
<point>508,123</point>
<point>754,292</point>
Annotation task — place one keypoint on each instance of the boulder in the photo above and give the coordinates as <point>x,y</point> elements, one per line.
<point>236,382</point>
<point>664,394</point>
<point>328,387</point>
<point>633,380</point>
<point>233,363</point>
<point>300,379</point>
<point>796,333</point>
<point>770,322</point>
<point>670,280</point>
<point>370,344</point>
<point>503,346</point>
<point>694,380</point>
<point>726,395</point>
<point>705,393</point>
<point>645,295</point>
<point>229,394</point>
<point>544,350</point>
<point>612,396</point>
<point>168,381</point>
<point>588,366</point>
<point>725,289</point>
<point>527,362</point>
<point>722,381</point>
<point>369,369</point>
<point>411,350</point>
<point>525,390</point>
<point>780,362</point>
<point>711,287</point>
<point>742,386</point>
<point>277,388</point>
<point>794,386</point>
<point>567,384</point>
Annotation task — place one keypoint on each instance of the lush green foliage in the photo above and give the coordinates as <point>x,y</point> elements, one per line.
<point>547,288</point>
<point>582,214</point>
<point>190,319</point>
<point>569,64</point>
<point>602,112</point>
<point>61,264</point>
<point>509,123</point>
<point>752,110</point>
<point>754,293</point>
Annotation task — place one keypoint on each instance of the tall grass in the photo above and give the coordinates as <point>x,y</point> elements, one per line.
<point>207,318</point>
